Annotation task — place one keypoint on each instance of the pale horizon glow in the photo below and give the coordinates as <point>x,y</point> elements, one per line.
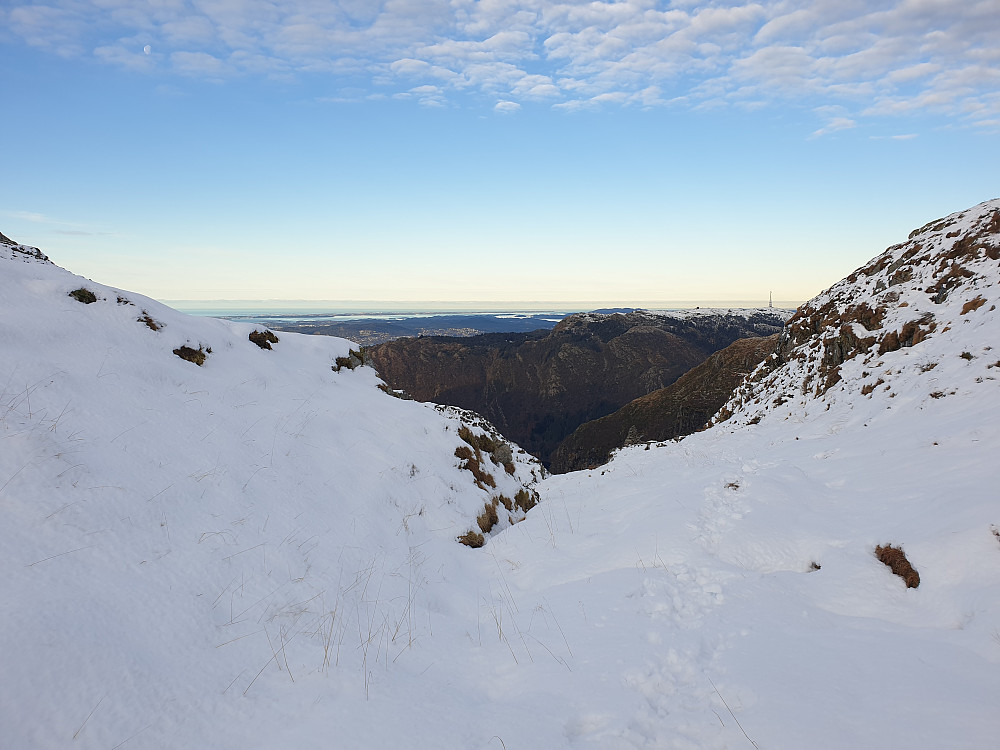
<point>625,151</point>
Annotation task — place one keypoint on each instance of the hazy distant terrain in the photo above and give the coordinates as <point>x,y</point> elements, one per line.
<point>376,329</point>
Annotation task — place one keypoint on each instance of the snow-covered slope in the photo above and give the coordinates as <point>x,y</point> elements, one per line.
<point>863,335</point>
<point>178,540</point>
<point>261,553</point>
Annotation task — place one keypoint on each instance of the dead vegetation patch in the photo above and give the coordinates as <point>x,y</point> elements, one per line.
<point>499,450</point>
<point>973,304</point>
<point>473,463</point>
<point>526,499</point>
<point>353,360</point>
<point>263,339</point>
<point>83,295</point>
<point>895,559</point>
<point>911,334</point>
<point>193,355</point>
<point>489,517</point>
<point>148,321</point>
<point>870,388</point>
<point>472,539</point>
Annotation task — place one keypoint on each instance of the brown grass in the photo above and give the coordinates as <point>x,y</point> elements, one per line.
<point>898,564</point>
<point>263,339</point>
<point>472,539</point>
<point>526,499</point>
<point>85,296</point>
<point>472,463</point>
<point>192,355</point>
<point>149,322</point>
<point>483,442</point>
<point>973,304</point>
<point>352,360</point>
<point>489,517</point>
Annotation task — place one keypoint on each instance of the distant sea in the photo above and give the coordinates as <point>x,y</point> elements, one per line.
<point>357,310</point>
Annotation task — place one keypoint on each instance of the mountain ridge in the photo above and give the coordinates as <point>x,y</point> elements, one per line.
<point>538,387</point>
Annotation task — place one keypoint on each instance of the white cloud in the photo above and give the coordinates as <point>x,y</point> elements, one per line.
<point>837,123</point>
<point>506,107</point>
<point>880,57</point>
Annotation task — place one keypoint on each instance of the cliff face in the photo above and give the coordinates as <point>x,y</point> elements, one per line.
<point>681,408</point>
<point>539,387</point>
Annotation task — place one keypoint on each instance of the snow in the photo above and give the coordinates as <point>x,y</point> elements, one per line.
<point>261,552</point>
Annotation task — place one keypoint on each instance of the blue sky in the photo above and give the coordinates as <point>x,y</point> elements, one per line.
<point>501,151</point>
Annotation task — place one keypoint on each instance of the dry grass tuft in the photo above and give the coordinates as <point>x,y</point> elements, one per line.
<point>149,322</point>
<point>353,360</point>
<point>526,499</point>
<point>85,296</point>
<point>489,517</point>
<point>973,304</point>
<point>483,442</point>
<point>473,463</point>
<point>263,339</point>
<point>193,355</point>
<point>898,564</point>
<point>472,539</point>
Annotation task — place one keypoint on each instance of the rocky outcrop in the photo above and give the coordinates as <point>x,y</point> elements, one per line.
<point>681,408</point>
<point>845,339</point>
<point>537,388</point>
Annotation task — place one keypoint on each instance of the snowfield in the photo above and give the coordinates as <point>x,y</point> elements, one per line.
<point>261,552</point>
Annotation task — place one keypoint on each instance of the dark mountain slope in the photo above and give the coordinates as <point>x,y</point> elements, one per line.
<point>679,409</point>
<point>539,387</point>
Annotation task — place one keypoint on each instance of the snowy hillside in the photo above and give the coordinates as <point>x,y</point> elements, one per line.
<point>178,540</point>
<point>261,552</point>
<point>864,336</point>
